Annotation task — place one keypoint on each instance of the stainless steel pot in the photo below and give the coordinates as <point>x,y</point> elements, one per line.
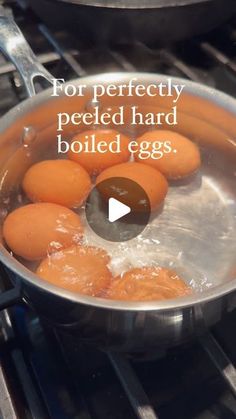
<point>149,21</point>
<point>198,228</point>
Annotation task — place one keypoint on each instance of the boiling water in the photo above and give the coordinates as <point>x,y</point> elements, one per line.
<point>194,232</point>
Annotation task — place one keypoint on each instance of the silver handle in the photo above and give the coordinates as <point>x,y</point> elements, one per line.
<point>14,45</point>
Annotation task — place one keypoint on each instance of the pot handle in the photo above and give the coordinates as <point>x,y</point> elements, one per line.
<point>15,47</point>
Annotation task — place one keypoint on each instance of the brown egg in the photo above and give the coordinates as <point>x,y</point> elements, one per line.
<point>78,269</point>
<point>62,182</point>
<point>95,162</point>
<point>147,284</point>
<point>150,179</point>
<point>182,161</point>
<point>35,230</point>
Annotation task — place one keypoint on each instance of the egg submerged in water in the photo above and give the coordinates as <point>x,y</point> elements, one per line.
<point>182,160</point>
<point>81,269</point>
<point>35,230</point>
<point>151,180</point>
<point>97,150</point>
<point>62,182</point>
<point>147,284</point>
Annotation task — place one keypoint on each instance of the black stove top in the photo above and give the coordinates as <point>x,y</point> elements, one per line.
<point>45,373</point>
<point>49,374</point>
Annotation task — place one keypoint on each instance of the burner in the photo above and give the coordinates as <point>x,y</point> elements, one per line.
<point>48,373</point>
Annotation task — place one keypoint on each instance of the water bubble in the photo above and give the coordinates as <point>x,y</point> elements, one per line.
<point>6,201</point>
<point>29,136</point>
<point>91,105</point>
<point>3,213</point>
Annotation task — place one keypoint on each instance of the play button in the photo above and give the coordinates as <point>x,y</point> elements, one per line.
<point>117,209</point>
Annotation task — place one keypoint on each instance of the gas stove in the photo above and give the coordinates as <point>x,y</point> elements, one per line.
<point>46,373</point>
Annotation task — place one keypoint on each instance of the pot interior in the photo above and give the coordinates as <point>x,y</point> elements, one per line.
<point>194,233</point>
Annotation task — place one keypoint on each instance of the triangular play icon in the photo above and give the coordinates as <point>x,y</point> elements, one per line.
<point>117,210</point>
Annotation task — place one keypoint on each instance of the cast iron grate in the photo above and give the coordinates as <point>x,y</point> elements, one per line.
<point>208,59</point>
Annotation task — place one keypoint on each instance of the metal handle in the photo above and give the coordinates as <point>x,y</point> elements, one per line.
<point>14,45</point>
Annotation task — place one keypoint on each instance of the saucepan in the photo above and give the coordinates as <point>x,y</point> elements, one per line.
<point>195,233</point>
<point>148,21</point>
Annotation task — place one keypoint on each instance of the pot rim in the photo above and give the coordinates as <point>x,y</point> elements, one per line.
<point>217,97</point>
<point>135,4</point>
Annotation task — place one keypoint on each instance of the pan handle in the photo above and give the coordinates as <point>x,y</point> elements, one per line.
<point>15,47</point>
